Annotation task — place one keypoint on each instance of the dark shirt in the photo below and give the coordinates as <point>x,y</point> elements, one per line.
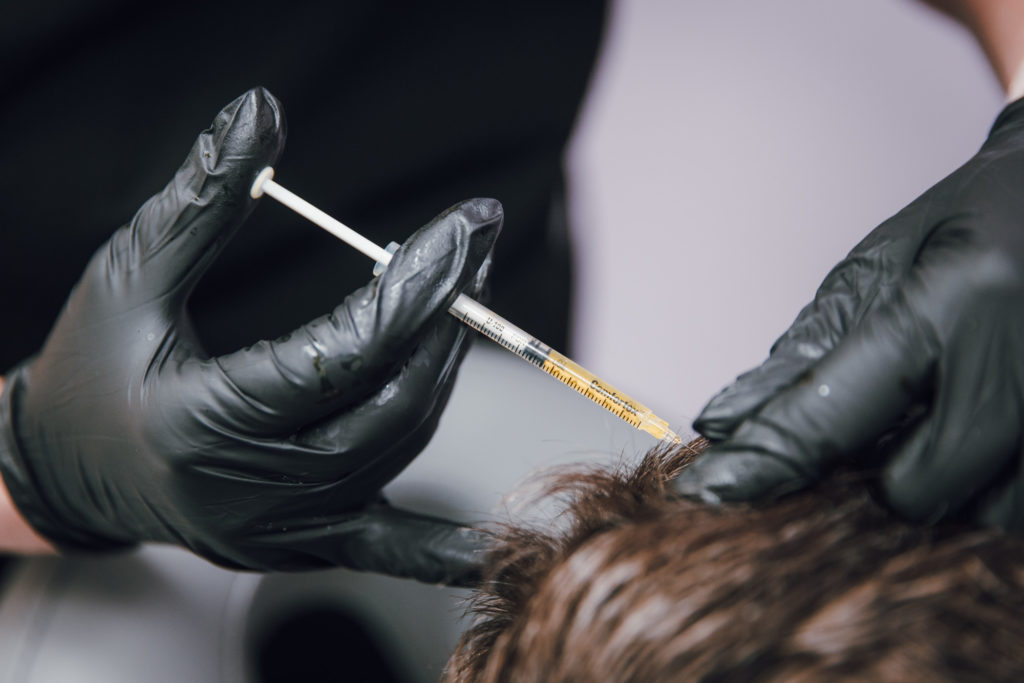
<point>396,110</point>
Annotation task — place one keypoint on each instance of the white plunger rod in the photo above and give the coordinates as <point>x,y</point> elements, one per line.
<point>265,183</point>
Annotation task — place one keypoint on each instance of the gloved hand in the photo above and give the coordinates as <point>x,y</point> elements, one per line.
<point>917,336</point>
<point>122,430</point>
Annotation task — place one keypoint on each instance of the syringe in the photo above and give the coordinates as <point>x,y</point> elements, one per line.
<point>488,323</point>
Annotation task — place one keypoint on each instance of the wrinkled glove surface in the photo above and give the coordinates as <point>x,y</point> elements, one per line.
<point>912,351</point>
<point>122,430</point>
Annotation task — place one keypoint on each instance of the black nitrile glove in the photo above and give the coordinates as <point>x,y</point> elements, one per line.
<point>918,337</point>
<point>122,430</point>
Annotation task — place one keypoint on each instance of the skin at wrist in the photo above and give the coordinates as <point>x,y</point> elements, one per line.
<point>998,25</point>
<point>16,536</point>
<point>1015,90</point>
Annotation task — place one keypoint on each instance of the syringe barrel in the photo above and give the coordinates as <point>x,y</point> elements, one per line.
<point>497,329</point>
<point>562,368</point>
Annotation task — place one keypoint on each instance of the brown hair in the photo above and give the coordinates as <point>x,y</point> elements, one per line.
<point>822,585</point>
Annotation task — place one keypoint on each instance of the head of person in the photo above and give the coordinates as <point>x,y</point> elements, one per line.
<point>633,585</point>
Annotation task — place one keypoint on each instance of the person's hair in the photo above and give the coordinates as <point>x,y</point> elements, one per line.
<point>634,585</point>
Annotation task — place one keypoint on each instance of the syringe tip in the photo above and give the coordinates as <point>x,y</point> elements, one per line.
<point>256,191</point>
<point>671,439</point>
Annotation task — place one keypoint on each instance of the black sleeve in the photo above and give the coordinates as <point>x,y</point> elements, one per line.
<point>396,111</point>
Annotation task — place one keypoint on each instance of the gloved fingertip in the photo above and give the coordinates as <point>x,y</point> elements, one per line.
<point>467,553</point>
<point>248,132</point>
<point>908,498</point>
<point>690,484</point>
<point>727,409</point>
<point>716,424</point>
<point>466,230</point>
<point>484,219</point>
<point>733,476</point>
<point>461,240</point>
<point>265,113</point>
<point>257,107</point>
<point>752,390</point>
<point>482,210</point>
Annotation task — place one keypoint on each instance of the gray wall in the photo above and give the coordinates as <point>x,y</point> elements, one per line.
<point>731,153</point>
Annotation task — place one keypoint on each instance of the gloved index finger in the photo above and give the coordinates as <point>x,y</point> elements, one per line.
<point>841,405</point>
<point>344,357</point>
<point>178,231</point>
<point>860,284</point>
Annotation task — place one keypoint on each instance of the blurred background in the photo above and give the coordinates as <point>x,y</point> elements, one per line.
<point>728,155</point>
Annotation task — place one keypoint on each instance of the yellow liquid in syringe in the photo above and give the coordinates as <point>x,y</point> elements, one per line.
<point>578,378</point>
<point>562,368</point>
